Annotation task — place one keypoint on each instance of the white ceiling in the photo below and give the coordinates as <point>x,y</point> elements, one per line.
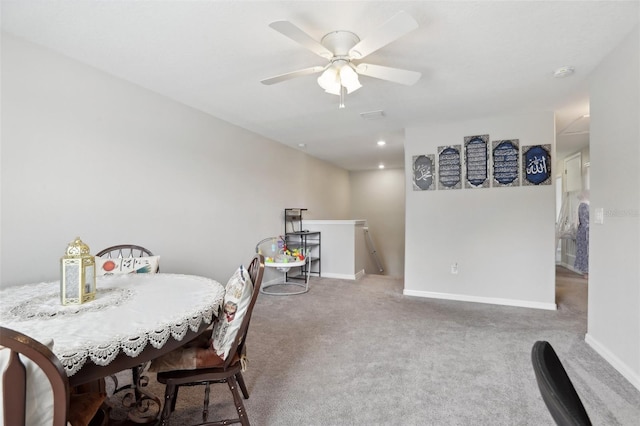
<point>477,59</point>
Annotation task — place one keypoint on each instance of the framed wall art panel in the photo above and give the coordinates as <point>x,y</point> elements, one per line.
<point>476,153</point>
<point>506,162</point>
<point>449,167</point>
<point>424,172</point>
<point>536,165</point>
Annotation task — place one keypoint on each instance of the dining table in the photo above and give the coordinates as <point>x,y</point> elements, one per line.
<point>133,319</point>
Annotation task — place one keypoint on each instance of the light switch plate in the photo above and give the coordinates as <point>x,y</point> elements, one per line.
<point>599,219</point>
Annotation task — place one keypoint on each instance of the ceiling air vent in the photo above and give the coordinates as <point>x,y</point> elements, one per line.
<point>372,115</point>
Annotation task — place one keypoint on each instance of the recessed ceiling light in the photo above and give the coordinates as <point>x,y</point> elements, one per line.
<point>381,166</point>
<point>302,145</point>
<point>565,71</point>
<point>381,143</point>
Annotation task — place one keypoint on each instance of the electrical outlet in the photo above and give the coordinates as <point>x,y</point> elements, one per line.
<point>454,268</point>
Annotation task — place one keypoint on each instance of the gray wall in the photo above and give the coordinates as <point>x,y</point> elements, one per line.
<point>378,197</point>
<point>502,238</point>
<point>614,267</point>
<point>87,154</point>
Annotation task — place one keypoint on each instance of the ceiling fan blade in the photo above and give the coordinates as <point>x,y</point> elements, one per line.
<point>398,25</point>
<point>288,29</point>
<point>292,74</point>
<point>395,75</point>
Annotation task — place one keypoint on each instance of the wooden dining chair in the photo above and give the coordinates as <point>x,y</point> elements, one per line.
<point>229,372</point>
<point>126,251</point>
<point>35,387</point>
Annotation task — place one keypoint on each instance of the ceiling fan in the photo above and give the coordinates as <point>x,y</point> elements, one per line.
<point>344,50</point>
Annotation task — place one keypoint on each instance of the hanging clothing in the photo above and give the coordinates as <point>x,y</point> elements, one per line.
<point>582,239</point>
<point>566,222</point>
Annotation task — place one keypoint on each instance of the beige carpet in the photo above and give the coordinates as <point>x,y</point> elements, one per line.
<point>361,353</point>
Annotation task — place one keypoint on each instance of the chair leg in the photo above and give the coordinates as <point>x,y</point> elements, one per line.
<point>243,386</point>
<point>175,399</point>
<point>170,392</point>
<point>242,415</point>
<point>135,377</point>
<point>205,409</point>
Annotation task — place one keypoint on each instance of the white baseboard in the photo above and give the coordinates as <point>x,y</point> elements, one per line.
<point>355,276</point>
<point>615,362</point>
<point>479,299</point>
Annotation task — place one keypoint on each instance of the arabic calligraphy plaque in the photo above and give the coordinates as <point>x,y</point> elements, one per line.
<point>449,167</point>
<point>536,165</point>
<point>506,162</point>
<point>424,172</point>
<point>476,161</point>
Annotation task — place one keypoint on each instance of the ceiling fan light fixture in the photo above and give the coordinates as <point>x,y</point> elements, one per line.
<point>329,79</point>
<point>334,90</point>
<point>349,78</point>
<point>339,74</point>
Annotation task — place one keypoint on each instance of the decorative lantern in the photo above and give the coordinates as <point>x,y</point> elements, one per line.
<point>78,277</point>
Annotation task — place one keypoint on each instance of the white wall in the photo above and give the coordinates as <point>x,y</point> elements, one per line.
<point>614,267</point>
<point>87,154</point>
<point>378,197</point>
<point>342,247</point>
<point>501,238</point>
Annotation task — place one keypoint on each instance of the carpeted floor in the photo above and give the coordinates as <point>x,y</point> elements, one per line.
<point>361,353</point>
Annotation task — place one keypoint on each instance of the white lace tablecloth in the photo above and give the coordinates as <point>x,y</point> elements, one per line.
<point>129,312</point>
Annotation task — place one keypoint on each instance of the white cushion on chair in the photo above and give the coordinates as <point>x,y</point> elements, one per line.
<point>237,297</point>
<point>127,265</point>
<point>39,393</point>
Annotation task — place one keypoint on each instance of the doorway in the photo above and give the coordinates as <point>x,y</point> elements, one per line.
<point>573,162</point>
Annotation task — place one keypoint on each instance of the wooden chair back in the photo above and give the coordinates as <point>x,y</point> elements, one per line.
<point>255,271</point>
<point>124,251</point>
<point>15,378</point>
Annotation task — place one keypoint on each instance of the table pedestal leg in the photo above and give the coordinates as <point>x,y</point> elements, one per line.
<point>144,406</point>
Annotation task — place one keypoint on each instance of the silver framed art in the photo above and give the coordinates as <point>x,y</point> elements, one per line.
<point>449,167</point>
<point>505,156</point>
<point>536,165</point>
<point>424,172</point>
<point>476,154</point>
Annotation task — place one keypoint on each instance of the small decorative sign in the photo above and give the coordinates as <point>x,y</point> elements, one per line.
<point>476,161</point>
<point>536,164</point>
<point>424,172</point>
<point>506,162</point>
<point>449,167</point>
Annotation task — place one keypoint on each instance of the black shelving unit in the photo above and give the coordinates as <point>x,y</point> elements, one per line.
<point>308,242</point>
